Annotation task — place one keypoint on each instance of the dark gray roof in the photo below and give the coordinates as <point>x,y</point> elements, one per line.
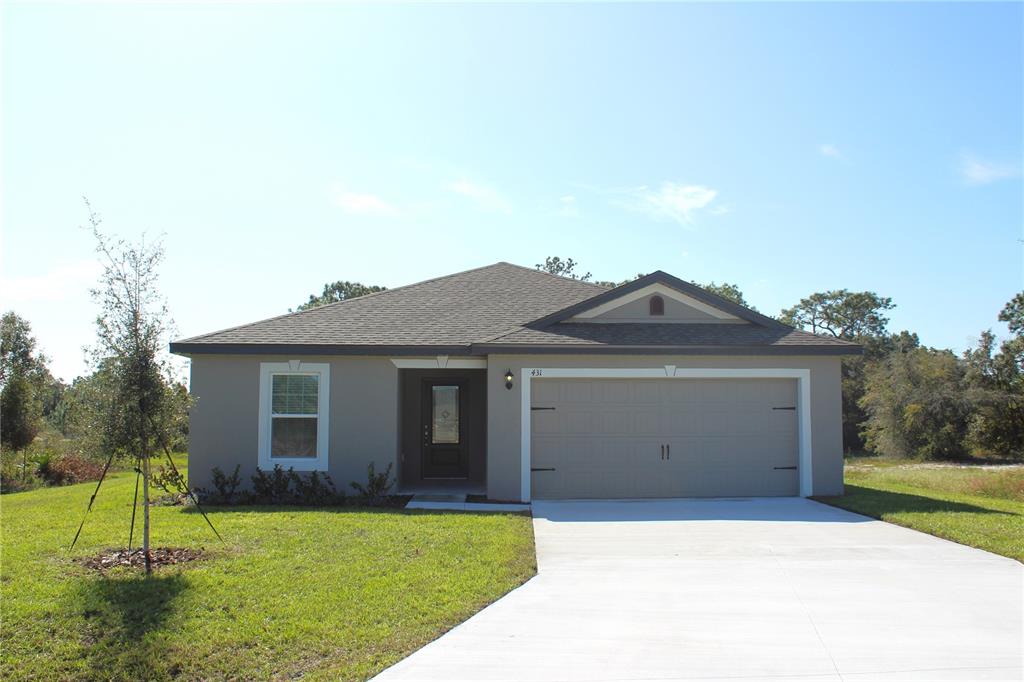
<point>676,338</point>
<point>445,314</point>
<point>502,307</point>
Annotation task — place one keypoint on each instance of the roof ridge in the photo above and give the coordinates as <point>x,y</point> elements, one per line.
<point>500,335</point>
<point>551,274</point>
<point>347,300</point>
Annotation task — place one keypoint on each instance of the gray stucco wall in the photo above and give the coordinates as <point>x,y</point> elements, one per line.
<point>504,426</point>
<point>364,412</point>
<point>224,422</point>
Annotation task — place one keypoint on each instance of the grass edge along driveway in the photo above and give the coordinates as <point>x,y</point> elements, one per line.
<point>322,593</point>
<point>930,501</point>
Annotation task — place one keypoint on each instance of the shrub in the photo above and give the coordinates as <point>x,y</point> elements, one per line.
<point>170,481</point>
<point>68,469</point>
<point>316,489</point>
<point>226,486</point>
<point>377,485</point>
<point>278,486</point>
<point>272,488</point>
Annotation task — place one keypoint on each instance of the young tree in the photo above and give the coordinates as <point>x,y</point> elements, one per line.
<point>341,290</point>
<point>137,416</point>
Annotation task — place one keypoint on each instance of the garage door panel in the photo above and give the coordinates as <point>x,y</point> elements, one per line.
<point>614,391</point>
<point>577,422</point>
<point>603,438</point>
<point>614,422</point>
<point>578,392</point>
<point>544,392</point>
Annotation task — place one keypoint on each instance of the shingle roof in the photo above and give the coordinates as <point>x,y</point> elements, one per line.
<point>455,310</point>
<point>590,336</point>
<point>500,307</point>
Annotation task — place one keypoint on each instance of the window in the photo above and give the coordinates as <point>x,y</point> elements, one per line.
<point>657,305</point>
<point>293,429</point>
<point>445,417</point>
<point>293,414</point>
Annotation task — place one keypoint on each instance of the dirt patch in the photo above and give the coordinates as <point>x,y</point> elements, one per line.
<point>162,556</point>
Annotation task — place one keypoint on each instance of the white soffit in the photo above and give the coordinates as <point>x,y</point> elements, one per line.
<point>661,290</point>
<point>440,362</point>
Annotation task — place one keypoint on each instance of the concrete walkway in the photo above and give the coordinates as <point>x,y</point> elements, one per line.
<point>780,588</point>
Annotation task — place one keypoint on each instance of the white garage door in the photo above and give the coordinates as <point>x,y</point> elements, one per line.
<point>663,438</point>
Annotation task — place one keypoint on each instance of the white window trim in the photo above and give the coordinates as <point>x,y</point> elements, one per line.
<point>323,427</point>
<point>803,403</point>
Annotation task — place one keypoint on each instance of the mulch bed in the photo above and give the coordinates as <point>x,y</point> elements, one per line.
<point>397,501</point>
<point>162,556</point>
<point>483,499</point>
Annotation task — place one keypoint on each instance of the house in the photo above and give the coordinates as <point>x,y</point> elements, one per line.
<point>521,385</point>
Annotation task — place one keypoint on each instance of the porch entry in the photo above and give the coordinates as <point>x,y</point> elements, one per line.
<point>443,421</point>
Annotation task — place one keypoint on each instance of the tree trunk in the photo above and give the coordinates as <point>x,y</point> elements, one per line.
<point>145,515</point>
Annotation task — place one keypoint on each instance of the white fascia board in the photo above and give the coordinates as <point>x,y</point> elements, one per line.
<point>436,363</point>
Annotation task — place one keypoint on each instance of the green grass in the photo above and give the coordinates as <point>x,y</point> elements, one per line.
<point>979,507</point>
<point>334,593</point>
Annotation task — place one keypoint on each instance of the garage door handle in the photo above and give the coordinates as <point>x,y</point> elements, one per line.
<point>538,409</point>
<point>777,468</point>
<point>663,451</point>
<point>668,451</point>
<point>542,469</point>
<point>784,408</point>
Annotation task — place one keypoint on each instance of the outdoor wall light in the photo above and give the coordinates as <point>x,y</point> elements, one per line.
<point>508,379</point>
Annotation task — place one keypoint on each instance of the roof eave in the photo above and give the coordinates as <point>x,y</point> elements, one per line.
<point>606,349</point>
<point>189,348</point>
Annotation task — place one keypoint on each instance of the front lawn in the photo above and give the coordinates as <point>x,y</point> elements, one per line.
<point>980,507</point>
<point>333,593</point>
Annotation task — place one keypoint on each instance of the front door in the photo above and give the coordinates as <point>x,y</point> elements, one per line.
<point>442,408</point>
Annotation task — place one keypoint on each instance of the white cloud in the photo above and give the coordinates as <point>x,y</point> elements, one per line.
<point>975,171</point>
<point>830,151</point>
<point>362,204</point>
<point>64,282</point>
<point>720,210</point>
<point>568,207</point>
<point>485,197</point>
<point>671,201</point>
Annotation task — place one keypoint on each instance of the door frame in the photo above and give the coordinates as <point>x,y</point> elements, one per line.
<point>407,418</point>
<point>803,402</point>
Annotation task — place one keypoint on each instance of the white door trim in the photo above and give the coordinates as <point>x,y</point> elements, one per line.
<point>803,402</point>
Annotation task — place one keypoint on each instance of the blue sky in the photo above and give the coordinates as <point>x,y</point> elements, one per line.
<point>786,148</point>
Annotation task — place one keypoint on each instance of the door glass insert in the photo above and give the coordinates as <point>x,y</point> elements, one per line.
<point>445,414</point>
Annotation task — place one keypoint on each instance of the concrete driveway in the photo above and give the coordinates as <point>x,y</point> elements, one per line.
<point>781,588</point>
